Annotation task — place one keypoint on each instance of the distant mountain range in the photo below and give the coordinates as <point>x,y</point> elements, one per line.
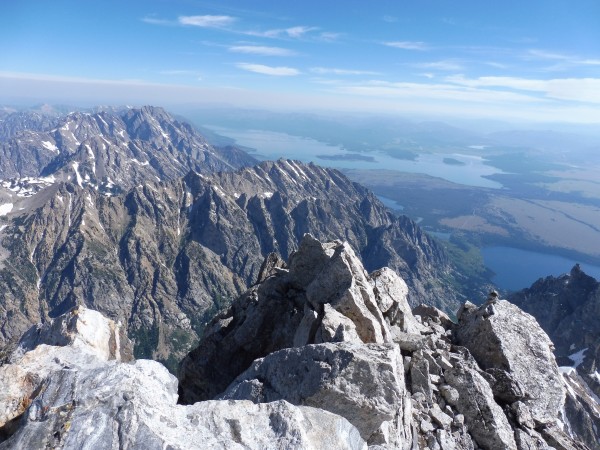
<point>133,213</point>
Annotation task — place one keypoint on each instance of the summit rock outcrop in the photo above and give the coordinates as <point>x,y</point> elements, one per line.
<point>318,354</point>
<point>322,332</point>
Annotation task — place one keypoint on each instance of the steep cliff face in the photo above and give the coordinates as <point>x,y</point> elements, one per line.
<point>319,354</point>
<point>567,308</point>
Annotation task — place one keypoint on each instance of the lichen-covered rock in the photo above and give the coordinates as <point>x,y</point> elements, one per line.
<point>363,383</point>
<point>502,336</point>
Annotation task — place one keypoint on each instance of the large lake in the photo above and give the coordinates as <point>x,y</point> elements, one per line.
<point>517,269</point>
<point>274,145</point>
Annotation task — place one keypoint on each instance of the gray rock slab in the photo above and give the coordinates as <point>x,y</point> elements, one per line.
<point>502,336</point>
<point>362,382</point>
<point>484,418</point>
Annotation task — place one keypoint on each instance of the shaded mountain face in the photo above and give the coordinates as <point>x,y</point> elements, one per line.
<point>567,307</point>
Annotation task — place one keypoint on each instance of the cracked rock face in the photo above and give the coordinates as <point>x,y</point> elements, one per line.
<point>324,295</point>
<point>364,383</point>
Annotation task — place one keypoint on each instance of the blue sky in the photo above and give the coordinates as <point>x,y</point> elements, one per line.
<point>521,60</point>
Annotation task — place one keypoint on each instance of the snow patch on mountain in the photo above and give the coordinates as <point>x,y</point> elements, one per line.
<point>6,208</point>
<point>50,146</point>
<point>75,166</point>
<point>578,357</point>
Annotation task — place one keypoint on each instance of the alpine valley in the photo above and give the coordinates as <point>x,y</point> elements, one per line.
<point>295,309</point>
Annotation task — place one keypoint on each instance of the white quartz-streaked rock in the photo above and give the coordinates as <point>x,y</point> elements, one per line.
<point>134,406</point>
<point>80,339</point>
<point>71,395</point>
<point>81,328</point>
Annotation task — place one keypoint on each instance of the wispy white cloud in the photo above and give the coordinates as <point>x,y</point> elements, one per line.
<point>329,36</point>
<point>327,81</point>
<point>437,92</point>
<point>445,65</point>
<point>228,23</point>
<point>376,96</point>
<point>207,21</point>
<point>561,61</point>
<point>544,54</point>
<point>406,45</point>
<point>269,70</point>
<point>156,21</point>
<point>389,19</point>
<point>336,71</point>
<point>496,65</point>
<point>261,50</point>
<point>572,89</point>
<point>176,72</point>
<point>291,32</point>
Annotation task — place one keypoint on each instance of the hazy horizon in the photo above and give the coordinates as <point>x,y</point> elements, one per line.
<point>536,62</point>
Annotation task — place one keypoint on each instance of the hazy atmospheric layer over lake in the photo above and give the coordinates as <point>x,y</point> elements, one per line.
<point>274,145</point>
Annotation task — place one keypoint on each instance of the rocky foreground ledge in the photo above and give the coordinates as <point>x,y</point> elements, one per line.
<point>318,354</point>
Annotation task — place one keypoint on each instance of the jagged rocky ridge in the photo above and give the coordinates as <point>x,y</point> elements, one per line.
<point>165,256</point>
<point>567,308</point>
<point>332,357</point>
